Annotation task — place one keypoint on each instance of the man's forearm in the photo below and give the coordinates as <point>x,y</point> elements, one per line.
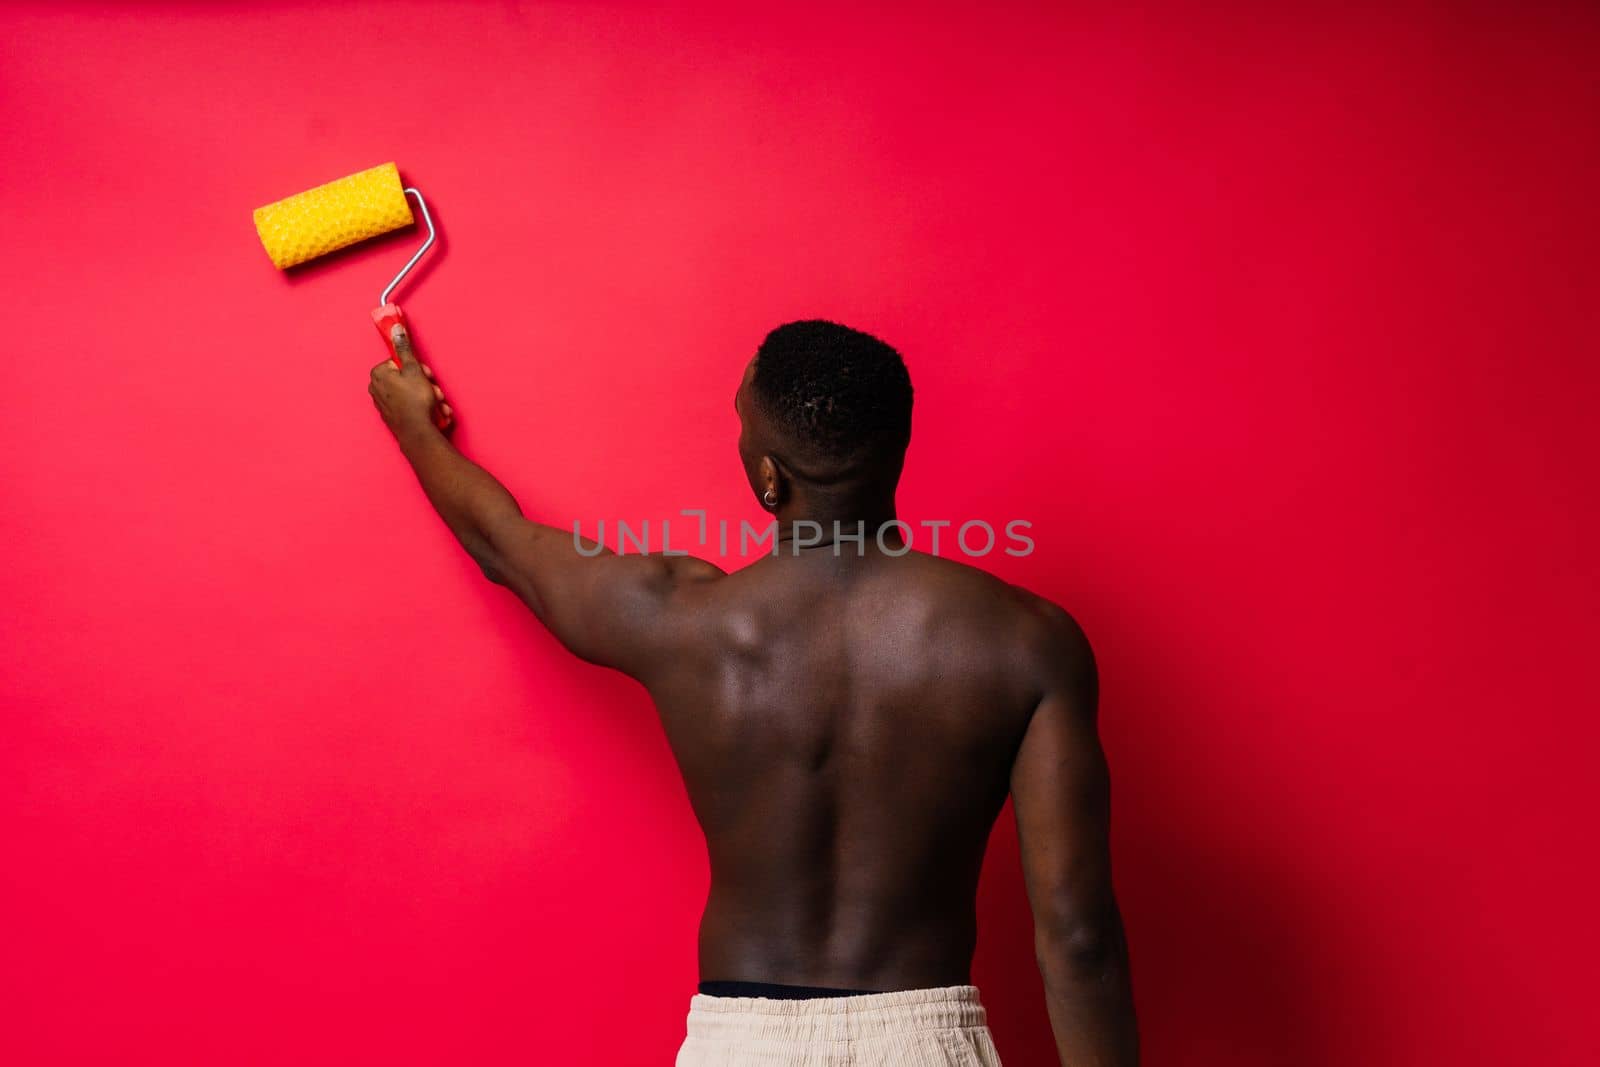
<point>468,498</point>
<point>1090,998</point>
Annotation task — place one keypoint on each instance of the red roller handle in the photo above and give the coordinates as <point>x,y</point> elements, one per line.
<point>385,318</point>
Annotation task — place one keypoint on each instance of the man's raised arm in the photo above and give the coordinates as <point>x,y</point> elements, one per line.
<point>1061,792</point>
<point>608,609</point>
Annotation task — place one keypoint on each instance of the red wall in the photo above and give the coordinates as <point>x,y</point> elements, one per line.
<point>1278,327</point>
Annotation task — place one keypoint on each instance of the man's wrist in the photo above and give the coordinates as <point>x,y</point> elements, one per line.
<point>416,433</point>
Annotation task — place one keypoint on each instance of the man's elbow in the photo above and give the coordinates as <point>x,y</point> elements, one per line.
<point>1076,948</point>
<point>494,567</point>
<point>488,558</point>
<point>488,562</point>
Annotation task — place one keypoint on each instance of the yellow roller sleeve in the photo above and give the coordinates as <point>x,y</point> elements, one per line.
<point>332,216</point>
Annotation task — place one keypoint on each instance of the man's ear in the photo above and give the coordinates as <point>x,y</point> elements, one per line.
<point>772,480</point>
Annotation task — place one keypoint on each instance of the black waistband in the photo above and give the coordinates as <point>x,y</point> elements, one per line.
<point>773,991</point>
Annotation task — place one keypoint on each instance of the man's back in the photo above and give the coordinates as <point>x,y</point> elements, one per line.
<point>848,722</point>
<point>846,726</point>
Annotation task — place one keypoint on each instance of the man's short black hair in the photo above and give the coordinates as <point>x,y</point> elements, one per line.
<point>839,392</point>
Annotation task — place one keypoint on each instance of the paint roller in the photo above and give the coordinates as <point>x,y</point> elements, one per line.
<point>342,213</point>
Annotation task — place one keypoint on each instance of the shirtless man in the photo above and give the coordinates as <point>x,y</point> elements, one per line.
<point>848,716</point>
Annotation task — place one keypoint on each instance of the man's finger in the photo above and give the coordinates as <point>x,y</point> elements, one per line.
<point>402,347</point>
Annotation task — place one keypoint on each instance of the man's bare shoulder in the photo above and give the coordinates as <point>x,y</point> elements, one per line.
<point>985,591</point>
<point>1039,636</point>
<point>1059,643</point>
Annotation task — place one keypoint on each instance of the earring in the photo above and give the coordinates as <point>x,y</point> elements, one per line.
<point>770,498</point>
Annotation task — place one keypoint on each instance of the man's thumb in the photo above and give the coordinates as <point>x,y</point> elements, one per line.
<point>402,346</point>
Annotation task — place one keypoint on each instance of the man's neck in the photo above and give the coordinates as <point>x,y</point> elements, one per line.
<point>817,526</point>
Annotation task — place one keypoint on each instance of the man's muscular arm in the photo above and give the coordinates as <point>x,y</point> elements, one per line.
<point>1060,789</point>
<point>608,609</point>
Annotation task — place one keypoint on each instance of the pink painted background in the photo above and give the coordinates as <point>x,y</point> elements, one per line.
<point>1278,322</point>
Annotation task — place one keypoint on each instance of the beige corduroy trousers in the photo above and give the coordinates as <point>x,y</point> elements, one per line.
<point>944,1027</point>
